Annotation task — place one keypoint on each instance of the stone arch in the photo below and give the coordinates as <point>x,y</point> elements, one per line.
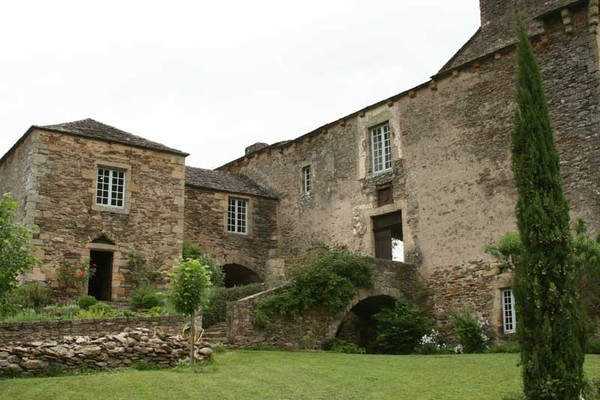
<point>238,275</point>
<point>355,323</point>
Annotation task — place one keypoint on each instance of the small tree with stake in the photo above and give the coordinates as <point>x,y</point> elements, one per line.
<point>550,326</point>
<point>191,284</point>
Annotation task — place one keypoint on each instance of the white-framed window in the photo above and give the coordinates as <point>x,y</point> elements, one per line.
<point>509,320</point>
<point>110,188</point>
<point>306,180</point>
<point>237,212</point>
<point>381,148</point>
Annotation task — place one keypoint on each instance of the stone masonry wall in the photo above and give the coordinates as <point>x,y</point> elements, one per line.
<point>30,331</point>
<point>451,176</point>
<point>18,177</point>
<point>108,351</point>
<point>310,331</point>
<point>150,224</point>
<point>206,224</point>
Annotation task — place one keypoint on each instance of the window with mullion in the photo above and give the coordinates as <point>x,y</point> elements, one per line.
<point>381,148</point>
<point>306,180</point>
<point>237,216</point>
<point>110,188</point>
<point>509,321</point>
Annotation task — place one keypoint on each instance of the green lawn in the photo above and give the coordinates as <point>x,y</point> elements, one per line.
<point>287,375</point>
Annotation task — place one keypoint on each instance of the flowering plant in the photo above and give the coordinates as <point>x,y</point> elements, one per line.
<point>72,276</point>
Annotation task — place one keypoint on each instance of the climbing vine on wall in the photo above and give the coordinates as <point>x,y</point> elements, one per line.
<point>327,280</point>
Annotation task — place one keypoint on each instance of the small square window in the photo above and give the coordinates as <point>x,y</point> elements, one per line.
<point>110,188</point>
<point>509,320</point>
<point>237,216</point>
<point>306,180</point>
<point>381,148</point>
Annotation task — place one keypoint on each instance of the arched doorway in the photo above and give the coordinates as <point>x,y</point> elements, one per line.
<point>238,275</point>
<point>358,326</point>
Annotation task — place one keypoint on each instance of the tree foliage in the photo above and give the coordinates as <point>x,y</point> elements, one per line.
<point>191,290</point>
<point>15,247</point>
<point>195,252</point>
<point>191,283</point>
<point>550,329</point>
<point>399,329</point>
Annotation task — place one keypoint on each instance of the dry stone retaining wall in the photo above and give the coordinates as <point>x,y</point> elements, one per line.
<point>76,352</point>
<point>54,330</point>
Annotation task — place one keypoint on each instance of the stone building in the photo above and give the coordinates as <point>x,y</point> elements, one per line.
<point>429,168</point>
<point>423,176</point>
<point>100,193</point>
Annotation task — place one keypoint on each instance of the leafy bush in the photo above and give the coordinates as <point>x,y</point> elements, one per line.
<point>145,297</point>
<point>399,329</point>
<point>336,345</point>
<point>327,280</point>
<point>156,311</point>
<point>195,252</point>
<point>86,302</point>
<point>432,343</point>
<point>15,247</point>
<point>469,332</point>
<point>219,296</point>
<point>98,310</point>
<point>510,346</point>
<point>32,295</point>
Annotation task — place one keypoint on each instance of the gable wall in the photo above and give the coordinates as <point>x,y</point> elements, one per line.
<point>69,219</point>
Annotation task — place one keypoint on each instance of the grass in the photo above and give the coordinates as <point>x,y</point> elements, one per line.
<point>291,375</point>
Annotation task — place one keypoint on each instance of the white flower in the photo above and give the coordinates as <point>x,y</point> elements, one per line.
<point>458,349</point>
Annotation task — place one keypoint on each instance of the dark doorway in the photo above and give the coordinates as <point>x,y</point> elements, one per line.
<point>387,230</point>
<point>238,275</point>
<point>100,285</point>
<point>358,326</point>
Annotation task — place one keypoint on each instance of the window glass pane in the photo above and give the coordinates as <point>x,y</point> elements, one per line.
<point>110,187</point>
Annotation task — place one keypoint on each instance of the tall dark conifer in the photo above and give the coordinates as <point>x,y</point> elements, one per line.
<point>549,326</point>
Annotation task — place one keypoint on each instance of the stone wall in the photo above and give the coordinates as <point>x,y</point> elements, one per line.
<point>30,331</point>
<point>77,352</point>
<point>451,177</point>
<point>206,224</point>
<point>397,280</point>
<point>150,224</point>
<point>18,171</point>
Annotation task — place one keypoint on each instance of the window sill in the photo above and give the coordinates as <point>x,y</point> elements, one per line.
<point>114,210</point>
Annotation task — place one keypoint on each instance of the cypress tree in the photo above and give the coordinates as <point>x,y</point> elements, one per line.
<point>549,326</point>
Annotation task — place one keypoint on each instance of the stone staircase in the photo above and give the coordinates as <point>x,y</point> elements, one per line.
<point>215,335</point>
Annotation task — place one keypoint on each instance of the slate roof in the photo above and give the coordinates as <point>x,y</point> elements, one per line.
<point>97,130</point>
<point>499,34</point>
<point>225,182</point>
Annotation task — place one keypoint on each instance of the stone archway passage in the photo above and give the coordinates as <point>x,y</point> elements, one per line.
<point>100,285</point>
<point>238,275</point>
<point>358,326</point>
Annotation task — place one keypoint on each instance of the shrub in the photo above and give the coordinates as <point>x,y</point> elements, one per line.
<point>431,343</point>
<point>195,252</point>
<point>328,280</point>
<point>336,345</point>
<point>156,311</point>
<point>86,302</point>
<point>469,332</point>
<point>15,247</point>
<point>399,329</point>
<point>145,297</point>
<point>98,310</point>
<point>219,296</point>
<point>32,295</point>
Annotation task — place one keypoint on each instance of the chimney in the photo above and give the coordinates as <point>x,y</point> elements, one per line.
<point>255,147</point>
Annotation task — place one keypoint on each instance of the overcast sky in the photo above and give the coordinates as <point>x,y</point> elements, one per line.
<point>212,77</point>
